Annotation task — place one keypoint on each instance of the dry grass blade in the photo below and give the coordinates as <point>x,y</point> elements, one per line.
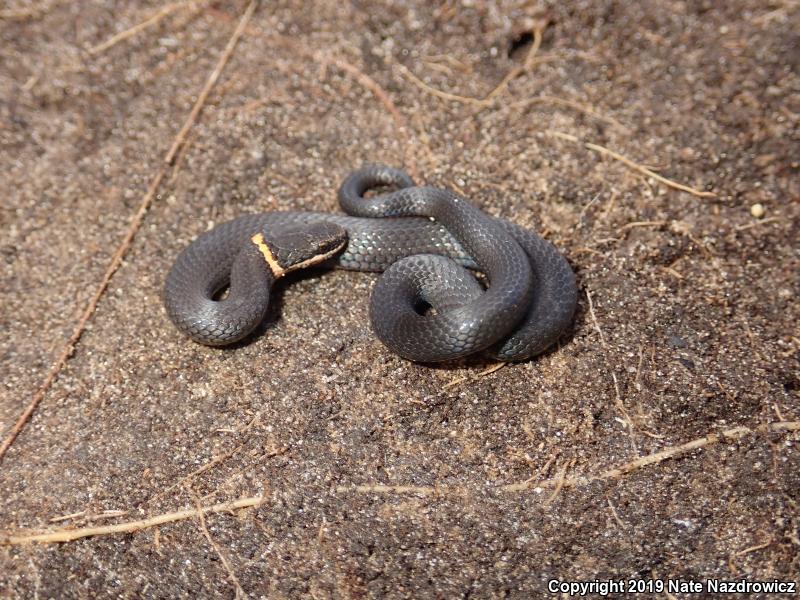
<point>132,31</point>
<point>595,322</point>
<point>68,535</point>
<point>388,489</point>
<point>201,518</point>
<point>561,481</point>
<point>31,12</point>
<point>671,452</point>
<point>487,371</point>
<point>363,79</point>
<point>499,89</point>
<point>212,80</point>
<point>633,165</point>
<point>514,73</point>
<point>127,240</point>
<point>521,105</point>
<point>381,94</point>
<point>432,90</point>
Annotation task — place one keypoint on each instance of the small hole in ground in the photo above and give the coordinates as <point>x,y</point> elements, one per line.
<point>522,41</point>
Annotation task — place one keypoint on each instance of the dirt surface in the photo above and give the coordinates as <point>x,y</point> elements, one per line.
<point>382,478</point>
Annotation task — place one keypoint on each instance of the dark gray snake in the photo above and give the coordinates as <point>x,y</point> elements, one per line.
<point>425,307</point>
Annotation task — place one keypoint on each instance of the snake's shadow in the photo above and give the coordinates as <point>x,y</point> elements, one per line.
<point>478,360</point>
<point>276,304</point>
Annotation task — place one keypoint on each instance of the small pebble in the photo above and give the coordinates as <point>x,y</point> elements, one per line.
<point>757,210</point>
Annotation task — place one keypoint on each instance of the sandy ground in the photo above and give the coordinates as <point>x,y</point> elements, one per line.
<point>378,477</point>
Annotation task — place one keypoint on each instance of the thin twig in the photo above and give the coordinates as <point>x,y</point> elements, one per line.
<point>68,535</point>
<point>622,409</point>
<point>560,479</point>
<point>514,73</point>
<point>614,473</point>
<point>633,165</point>
<point>642,224</point>
<point>753,548</point>
<point>524,485</point>
<point>33,12</point>
<point>223,558</point>
<point>546,99</point>
<point>132,31</point>
<point>210,464</point>
<point>594,319</point>
<point>88,311</point>
<point>125,244</point>
<point>68,517</point>
<point>18,15</point>
<point>212,79</point>
<point>381,94</point>
<point>615,515</point>
<point>325,60</point>
<point>500,88</point>
<point>758,223</point>
<point>487,371</point>
<point>108,514</point>
<point>422,490</point>
<point>438,93</point>
<point>732,557</point>
<point>671,452</point>
<point>683,228</point>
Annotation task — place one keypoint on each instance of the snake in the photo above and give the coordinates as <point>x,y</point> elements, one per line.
<point>427,306</point>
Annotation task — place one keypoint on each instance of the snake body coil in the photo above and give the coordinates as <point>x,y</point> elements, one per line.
<point>422,238</point>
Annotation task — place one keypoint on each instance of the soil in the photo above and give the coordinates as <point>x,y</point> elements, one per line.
<point>379,477</point>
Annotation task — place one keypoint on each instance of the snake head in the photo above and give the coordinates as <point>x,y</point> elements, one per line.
<point>291,248</point>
